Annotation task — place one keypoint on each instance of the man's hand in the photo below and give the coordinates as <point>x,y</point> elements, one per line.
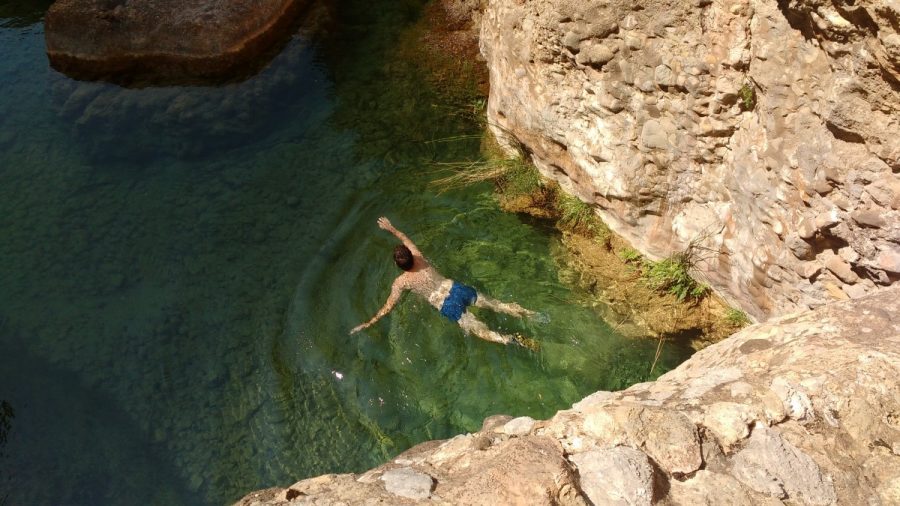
<point>385,224</point>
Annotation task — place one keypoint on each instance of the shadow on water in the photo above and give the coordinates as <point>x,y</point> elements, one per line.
<point>85,450</point>
<point>181,267</point>
<point>22,13</point>
<point>7,414</point>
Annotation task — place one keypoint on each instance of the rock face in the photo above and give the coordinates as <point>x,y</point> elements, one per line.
<point>804,409</point>
<point>764,130</point>
<point>164,41</point>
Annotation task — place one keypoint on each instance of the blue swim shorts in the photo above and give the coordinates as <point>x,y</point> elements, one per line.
<point>460,297</point>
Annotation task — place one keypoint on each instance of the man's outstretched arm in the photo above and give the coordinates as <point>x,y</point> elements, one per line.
<point>385,224</point>
<point>396,291</point>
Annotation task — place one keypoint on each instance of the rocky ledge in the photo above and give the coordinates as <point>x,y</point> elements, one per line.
<point>804,409</point>
<point>164,41</point>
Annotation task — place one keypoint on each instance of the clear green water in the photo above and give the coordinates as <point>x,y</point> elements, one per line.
<point>179,268</point>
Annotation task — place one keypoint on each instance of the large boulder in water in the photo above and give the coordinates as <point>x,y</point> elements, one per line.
<point>165,41</point>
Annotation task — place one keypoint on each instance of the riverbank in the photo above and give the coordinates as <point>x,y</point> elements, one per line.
<point>799,409</point>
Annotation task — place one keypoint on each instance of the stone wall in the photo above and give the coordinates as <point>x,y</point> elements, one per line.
<point>804,409</point>
<point>646,110</point>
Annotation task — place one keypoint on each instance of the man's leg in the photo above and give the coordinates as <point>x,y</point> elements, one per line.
<point>502,307</point>
<point>474,326</point>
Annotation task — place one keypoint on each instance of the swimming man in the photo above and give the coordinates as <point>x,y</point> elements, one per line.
<point>449,297</point>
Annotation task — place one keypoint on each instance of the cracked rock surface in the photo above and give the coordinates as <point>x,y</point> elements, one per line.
<point>764,130</point>
<point>804,409</point>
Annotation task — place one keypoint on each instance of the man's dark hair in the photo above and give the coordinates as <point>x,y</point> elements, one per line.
<point>403,257</point>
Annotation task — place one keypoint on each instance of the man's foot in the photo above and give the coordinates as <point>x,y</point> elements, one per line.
<point>518,310</point>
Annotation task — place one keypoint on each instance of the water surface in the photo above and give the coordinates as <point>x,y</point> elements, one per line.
<point>179,268</point>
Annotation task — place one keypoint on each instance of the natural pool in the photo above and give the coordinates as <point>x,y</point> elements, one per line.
<point>179,268</point>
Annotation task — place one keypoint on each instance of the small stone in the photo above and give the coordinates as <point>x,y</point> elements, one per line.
<point>707,488</point>
<point>800,248</point>
<point>885,191</point>
<point>595,56</point>
<point>667,436</point>
<point>809,269</point>
<point>653,135</point>
<point>729,421</point>
<point>618,475</point>
<point>840,201</point>
<point>450,450</point>
<point>494,421</point>
<point>806,229</point>
<point>835,291</point>
<point>572,40</point>
<point>595,399</point>
<point>520,426</point>
<point>664,76</point>
<point>840,268</point>
<point>603,426</point>
<point>888,259</point>
<point>822,187</point>
<point>613,104</point>
<point>848,254</point>
<point>634,42</point>
<point>409,483</point>
<point>855,291</point>
<point>868,218</point>
<point>794,399</point>
<point>827,219</point>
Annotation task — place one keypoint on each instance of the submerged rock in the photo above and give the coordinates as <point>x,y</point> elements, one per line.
<point>164,41</point>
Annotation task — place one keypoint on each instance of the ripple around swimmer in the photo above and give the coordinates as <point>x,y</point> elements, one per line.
<point>177,283</point>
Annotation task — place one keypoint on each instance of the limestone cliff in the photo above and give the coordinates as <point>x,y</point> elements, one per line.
<point>766,130</point>
<point>804,409</point>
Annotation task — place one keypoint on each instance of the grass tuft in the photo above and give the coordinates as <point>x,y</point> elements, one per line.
<point>737,317</point>
<point>519,178</point>
<point>631,256</point>
<point>579,217</point>
<point>672,275</point>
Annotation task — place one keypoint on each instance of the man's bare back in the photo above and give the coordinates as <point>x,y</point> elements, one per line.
<point>447,296</point>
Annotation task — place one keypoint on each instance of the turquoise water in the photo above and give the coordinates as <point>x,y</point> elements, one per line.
<point>179,268</point>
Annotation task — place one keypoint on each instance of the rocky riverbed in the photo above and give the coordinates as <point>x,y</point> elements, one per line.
<point>800,410</point>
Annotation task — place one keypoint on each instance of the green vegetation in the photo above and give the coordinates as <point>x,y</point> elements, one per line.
<point>631,256</point>
<point>673,275</point>
<point>578,216</point>
<point>737,317</point>
<point>479,107</point>
<point>748,96</point>
<point>512,175</point>
<point>670,275</point>
<point>519,178</point>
